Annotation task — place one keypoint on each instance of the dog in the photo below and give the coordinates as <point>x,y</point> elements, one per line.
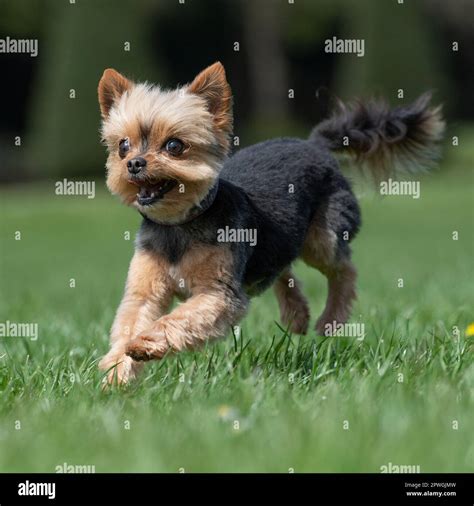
<point>218,230</point>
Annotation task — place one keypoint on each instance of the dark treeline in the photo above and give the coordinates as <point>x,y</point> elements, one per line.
<point>273,50</point>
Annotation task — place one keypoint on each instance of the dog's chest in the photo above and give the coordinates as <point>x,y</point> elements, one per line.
<point>173,242</point>
<point>181,280</point>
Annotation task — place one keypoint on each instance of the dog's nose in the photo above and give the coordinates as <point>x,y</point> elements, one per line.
<point>135,165</point>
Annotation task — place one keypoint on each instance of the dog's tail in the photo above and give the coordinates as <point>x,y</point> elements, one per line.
<point>386,141</point>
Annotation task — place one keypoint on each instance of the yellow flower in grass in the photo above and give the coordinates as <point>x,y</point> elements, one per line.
<point>227,413</point>
<point>470,330</point>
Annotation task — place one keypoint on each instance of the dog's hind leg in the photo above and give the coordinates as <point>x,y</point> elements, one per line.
<point>294,310</point>
<point>341,295</point>
<point>323,251</point>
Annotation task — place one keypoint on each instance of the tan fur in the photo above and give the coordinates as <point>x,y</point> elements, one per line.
<point>212,85</point>
<point>341,295</point>
<point>199,114</point>
<point>111,87</point>
<point>148,294</point>
<point>294,309</point>
<point>319,247</point>
<point>208,313</point>
<point>319,251</point>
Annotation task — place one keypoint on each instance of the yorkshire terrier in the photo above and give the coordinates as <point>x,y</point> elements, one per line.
<point>168,159</point>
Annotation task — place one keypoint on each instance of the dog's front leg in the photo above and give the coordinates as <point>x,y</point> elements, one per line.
<point>148,294</point>
<point>217,302</point>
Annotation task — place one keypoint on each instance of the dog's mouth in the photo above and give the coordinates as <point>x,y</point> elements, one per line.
<point>150,192</point>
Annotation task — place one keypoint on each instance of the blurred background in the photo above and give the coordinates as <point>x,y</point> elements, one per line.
<point>267,46</point>
<point>63,259</point>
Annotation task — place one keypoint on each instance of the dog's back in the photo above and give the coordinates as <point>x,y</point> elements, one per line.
<point>290,183</point>
<point>305,207</point>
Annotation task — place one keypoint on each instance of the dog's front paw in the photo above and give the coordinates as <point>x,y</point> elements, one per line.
<point>150,345</point>
<point>120,369</point>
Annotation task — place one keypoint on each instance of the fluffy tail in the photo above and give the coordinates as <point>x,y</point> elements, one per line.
<point>386,141</point>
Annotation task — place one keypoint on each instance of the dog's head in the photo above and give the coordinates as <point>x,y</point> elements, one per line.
<point>166,147</point>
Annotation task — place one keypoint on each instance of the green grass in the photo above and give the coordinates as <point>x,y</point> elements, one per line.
<point>401,389</point>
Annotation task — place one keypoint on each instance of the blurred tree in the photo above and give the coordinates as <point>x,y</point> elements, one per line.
<point>85,38</point>
<point>266,61</point>
<point>400,50</point>
<point>281,47</point>
<point>22,17</point>
<point>453,22</point>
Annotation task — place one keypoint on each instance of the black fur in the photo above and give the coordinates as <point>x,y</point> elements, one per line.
<point>385,140</point>
<point>279,187</point>
<point>275,187</point>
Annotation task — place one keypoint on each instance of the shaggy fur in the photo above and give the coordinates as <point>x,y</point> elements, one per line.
<point>289,193</point>
<point>384,140</point>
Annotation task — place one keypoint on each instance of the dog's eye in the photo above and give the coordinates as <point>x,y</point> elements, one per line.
<point>174,147</point>
<point>124,146</point>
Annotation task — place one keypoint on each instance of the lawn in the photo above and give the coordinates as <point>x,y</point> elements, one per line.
<point>261,401</point>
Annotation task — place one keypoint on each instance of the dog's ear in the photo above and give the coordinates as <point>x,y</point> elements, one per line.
<point>112,85</point>
<point>211,84</point>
